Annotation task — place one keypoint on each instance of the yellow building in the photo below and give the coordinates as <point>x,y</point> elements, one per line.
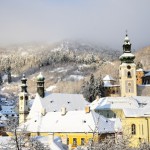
<point>136,122</point>
<point>76,128</point>
<point>134,113</point>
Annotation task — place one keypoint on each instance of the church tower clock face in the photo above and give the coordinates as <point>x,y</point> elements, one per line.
<point>128,67</point>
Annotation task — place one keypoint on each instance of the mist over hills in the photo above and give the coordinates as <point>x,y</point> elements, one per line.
<point>64,64</point>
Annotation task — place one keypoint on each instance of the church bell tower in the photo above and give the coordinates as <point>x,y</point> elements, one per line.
<point>127,71</point>
<point>23,101</point>
<point>40,85</point>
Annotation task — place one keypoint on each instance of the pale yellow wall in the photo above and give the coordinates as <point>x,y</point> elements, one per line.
<point>142,129</point>
<point>23,107</point>
<point>70,136</point>
<point>142,126</point>
<point>126,89</point>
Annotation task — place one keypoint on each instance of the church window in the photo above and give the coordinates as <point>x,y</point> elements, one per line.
<point>67,141</point>
<point>74,141</point>
<point>26,97</point>
<point>21,97</point>
<point>129,90</point>
<point>133,129</point>
<point>107,114</point>
<point>113,92</point>
<point>129,74</point>
<point>82,141</point>
<point>114,115</point>
<point>142,130</point>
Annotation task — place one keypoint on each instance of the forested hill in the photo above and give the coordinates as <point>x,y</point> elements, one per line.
<point>143,56</point>
<point>27,57</point>
<point>65,65</point>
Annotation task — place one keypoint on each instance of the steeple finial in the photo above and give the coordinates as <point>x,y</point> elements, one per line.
<point>126,32</point>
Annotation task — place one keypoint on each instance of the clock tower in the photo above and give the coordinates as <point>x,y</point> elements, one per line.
<point>127,71</point>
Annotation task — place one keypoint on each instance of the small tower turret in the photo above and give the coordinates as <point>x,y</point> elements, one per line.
<point>23,101</point>
<point>40,85</point>
<point>127,71</point>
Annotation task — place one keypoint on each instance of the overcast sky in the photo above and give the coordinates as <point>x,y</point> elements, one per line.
<point>103,21</point>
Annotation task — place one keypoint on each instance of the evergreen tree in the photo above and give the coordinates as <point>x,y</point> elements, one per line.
<point>139,65</point>
<point>93,88</point>
<point>1,80</point>
<point>8,71</point>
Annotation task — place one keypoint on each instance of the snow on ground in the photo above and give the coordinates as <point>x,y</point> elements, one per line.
<point>74,78</point>
<point>61,69</point>
<point>50,88</point>
<point>3,89</point>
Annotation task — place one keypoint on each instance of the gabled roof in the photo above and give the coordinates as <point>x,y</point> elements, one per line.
<point>72,121</point>
<point>147,74</point>
<point>108,78</point>
<point>114,103</point>
<point>53,102</point>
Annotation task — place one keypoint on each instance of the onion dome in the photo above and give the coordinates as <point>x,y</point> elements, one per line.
<point>40,77</point>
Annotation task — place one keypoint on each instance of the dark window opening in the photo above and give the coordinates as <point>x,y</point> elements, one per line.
<point>133,129</point>
<point>129,74</point>
<point>74,141</point>
<point>82,141</point>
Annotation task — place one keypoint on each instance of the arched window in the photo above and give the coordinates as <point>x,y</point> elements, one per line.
<point>133,129</point>
<point>129,74</point>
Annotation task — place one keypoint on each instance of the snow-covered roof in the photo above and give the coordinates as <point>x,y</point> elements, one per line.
<point>2,117</point>
<point>7,110</point>
<point>115,103</point>
<point>140,69</point>
<point>140,112</point>
<point>55,144</point>
<point>53,102</point>
<point>127,55</point>
<point>108,78</point>
<point>147,74</point>
<point>72,121</point>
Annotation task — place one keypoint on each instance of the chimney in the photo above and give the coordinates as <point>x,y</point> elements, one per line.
<point>97,98</point>
<point>63,111</point>
<point>43,111</point>
<point>87,109</point>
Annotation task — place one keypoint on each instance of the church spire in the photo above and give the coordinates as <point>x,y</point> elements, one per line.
<point>127,56</point>
<point>24,84</point>
<point>127,45</point>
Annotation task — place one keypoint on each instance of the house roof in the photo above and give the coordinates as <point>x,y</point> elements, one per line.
<point>53,102</point>
<point>108,78</point>
<point>72,121</point>
<point>114,103</point>
<point>147,74</point>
